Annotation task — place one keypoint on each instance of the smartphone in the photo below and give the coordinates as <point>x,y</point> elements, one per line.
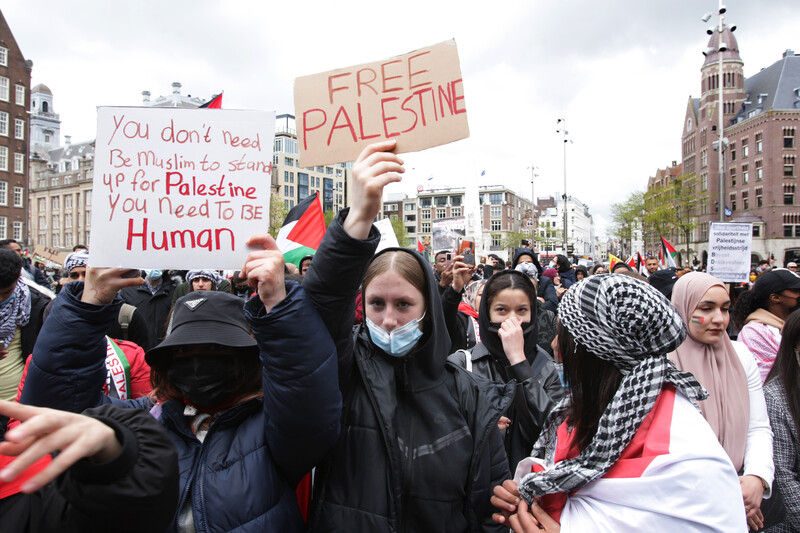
<point>448,260</point>
<point>469,259</point>
<point>466,246</point>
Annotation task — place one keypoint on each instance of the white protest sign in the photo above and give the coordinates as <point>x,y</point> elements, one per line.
<point>388,238</point>
<point>729,251</point>
<point>179,188</point>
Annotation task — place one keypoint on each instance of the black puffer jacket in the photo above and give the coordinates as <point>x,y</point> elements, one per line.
<point>419,447</point>
<point>536,379</point>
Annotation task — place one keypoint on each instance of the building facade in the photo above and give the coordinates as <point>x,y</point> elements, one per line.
<point>550,227</point>
<point>761,116</point>
<point>291,183</point>
<point>15,84</point>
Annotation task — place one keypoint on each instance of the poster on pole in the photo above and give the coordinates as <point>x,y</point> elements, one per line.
<point>179,188</point>
<point>416,98</point>
<point>447,233</point>
<point>729,246</point>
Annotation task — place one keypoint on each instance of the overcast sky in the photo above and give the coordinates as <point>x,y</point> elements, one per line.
<point>619,71</point>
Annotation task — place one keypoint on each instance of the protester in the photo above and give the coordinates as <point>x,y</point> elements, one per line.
<point>21,316</point>
<point>599,268</point>
<point>29,271</point>
<point>115,469</point>
<point>651,265</point>
<point>581,272</point>
<point>735,407</point>
<point>620,266</point>
<point>791,265</point>
<point>555,278</point>
<point>202,280</point>
<point>305,263</point>
<point>459,316</point>
<point>783,405</point>
<point>664,280</point>
<point>420,449</point>
<point>761,312</point>
<point>630,452</point>
<point>509,352</point>
<point>248,416</point>
<point>153,300</point>
<point>565,271</point>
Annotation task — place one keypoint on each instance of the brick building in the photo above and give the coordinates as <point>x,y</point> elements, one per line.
<point>761,116</point>
<point>15,84</point>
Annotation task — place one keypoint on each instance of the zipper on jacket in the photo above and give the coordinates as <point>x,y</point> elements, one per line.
<point>408,467</point>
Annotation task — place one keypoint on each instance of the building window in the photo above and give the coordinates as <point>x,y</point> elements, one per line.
<point>441,213</point>
<point>440,201</point>
<point>788,166</point>
<point>759,197</point>
<point>42,204</point>
<point>759,170</point>
<point>455,211</point>
<point>42,222</point>
<point>17,231</point>
<point>704,182</point>
<point>87,202</point>
<point>745,203</point>
<point>496,198</point>
<point>68,221</point>
<point>68,201</point>
<point>3,62</point>
<point>4,123</point>
<point>756,231</point>
<point>745,148</point>
<point>788,199</point>
<point>733,151</point>
<point>409,207</point>
<point>18,196</point>
<point>787,231</point>
<point>56,204</point>
<point>20,95</point>
<point>55,222</point>
<point>495,211</point>
<point>426,214</point>
<point>56,239</point>
<point>4,89</point>
<point>495,225</point>
<point>496,241</point>
<point>788,137</point>
<point>3,228</point>
<point>19,129</point>
<point>744,174</point>
<point>19,163</point>
<point>759,143</point>
<point>425,202</point>
<point>455,200</point>
<point>3,193</point>
<point>426,227</point>
<point>733,177</point>
<point>703,158</point>
<point>67,240</point>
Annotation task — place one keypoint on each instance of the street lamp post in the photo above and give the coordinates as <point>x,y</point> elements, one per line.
<point>533,169</point>
<point>563,130</point>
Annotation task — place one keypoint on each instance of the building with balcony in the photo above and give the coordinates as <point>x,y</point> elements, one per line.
<point>550,227</point>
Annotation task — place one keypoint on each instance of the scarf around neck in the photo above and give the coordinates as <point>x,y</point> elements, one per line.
<point>15,314</point>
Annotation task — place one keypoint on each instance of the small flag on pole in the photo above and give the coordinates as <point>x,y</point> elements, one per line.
<point>302,230</point>
<point>214,103</point>
<point>669,253</point>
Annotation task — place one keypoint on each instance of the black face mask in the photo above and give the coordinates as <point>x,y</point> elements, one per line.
<point>205,380</point>
<point>494,327</point>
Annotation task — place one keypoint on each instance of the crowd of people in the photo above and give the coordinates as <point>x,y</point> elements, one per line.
<point>416,397</point>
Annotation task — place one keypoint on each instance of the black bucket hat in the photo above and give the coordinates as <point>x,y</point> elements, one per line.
<point>205,317</point>
<point>775,281</point>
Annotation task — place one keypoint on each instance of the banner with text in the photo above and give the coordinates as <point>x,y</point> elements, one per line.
<point>416,98</point>
<point>729,246</point>
<point>179,188</point>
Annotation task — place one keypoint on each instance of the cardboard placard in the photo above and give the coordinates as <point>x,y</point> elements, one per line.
<point>729,246</point>
<point>44,254</point>
<point>179,188</point>
<point>416,98</point>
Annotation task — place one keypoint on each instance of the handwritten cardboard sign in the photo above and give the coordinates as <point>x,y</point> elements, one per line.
<point>416,98</point>
<point>179,188</point>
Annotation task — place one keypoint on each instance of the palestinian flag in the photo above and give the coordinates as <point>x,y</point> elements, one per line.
<point>631,262</point>
<point>668,253</point>
<point>420,246</point>
<point>302,231</point>
<point>214,103</point>
<point>613,260</point>
<point>640,263</point>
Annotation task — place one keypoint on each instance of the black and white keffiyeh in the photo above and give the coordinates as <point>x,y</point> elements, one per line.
<point>215,278</point>
<point>632,325</point>
<point>76,259</point>
<point>15,313</point>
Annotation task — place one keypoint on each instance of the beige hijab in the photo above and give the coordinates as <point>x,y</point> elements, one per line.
<point>717,368</point>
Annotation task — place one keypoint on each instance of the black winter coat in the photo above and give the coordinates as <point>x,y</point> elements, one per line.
<point>419,447</point>
<point>135,491</point>
<point>153,307</point>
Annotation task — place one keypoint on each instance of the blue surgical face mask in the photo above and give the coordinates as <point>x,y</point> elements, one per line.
<point>153,274</point>
<point>400,341</point>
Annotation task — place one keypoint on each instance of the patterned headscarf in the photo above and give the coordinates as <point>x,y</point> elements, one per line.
<point>633,326</point>
<point>76,259</point>
<point>208,274</point>
<point>14,313</point>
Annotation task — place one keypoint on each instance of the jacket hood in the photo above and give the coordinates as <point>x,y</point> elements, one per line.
<point>423,367</point>
<point>519,252</point>
<point>491,339</point>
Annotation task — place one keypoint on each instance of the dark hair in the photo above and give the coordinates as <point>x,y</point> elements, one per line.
<point>5,242</point>
<point>10,267</point>
<point>746,304</point>
<point>593,382</point>
<point>440,252</point>
<point>597,267</point>
<point>248,379</point>
<point>507,280</point>
<point>79,247</point>
<point>786,368</point>
<point>620,265</point>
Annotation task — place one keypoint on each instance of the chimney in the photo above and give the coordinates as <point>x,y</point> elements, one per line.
<point>176,93</point>
<point>67,140</point>
<point>145,97</point>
